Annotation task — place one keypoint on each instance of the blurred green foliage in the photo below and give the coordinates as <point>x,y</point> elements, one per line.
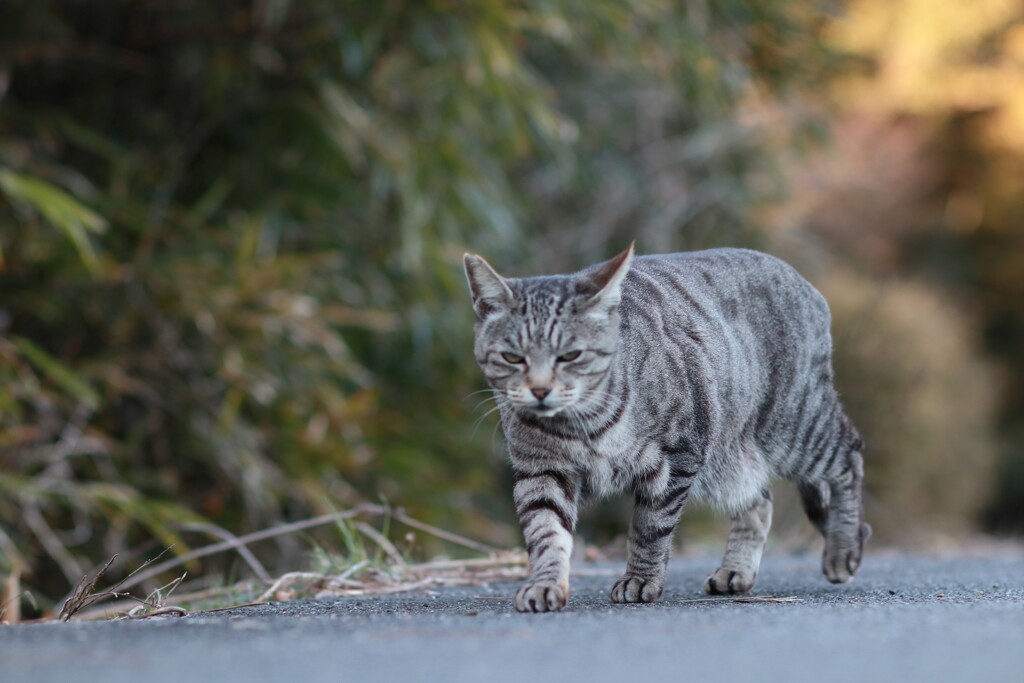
<point>230,236</point>
<point>935,191</point>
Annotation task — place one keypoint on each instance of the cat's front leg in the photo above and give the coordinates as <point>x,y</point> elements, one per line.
<point>546,504</point>
<point>659,504</point>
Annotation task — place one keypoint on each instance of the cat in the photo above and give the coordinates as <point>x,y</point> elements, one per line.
<point>703,374</point>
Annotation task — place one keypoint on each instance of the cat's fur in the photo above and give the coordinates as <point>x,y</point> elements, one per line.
<point>702,374</point>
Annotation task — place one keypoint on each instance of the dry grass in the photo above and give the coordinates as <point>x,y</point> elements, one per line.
<point>373,581</point>
<point>359,580</point>
<point>373,568</point>
<point>85,595</point>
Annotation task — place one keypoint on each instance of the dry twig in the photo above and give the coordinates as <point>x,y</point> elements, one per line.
<point>83,595</point>
<point>225,609</point>
<point>237,545</point>
<point>263,535</point>
<point>36,523</point>
<point>745,598</point>
<point>121,607</point>
<point>310,579</point>
<point>171,610</point>
<point>381,540</point>
<point>399,577</point>
<point>405,519</point>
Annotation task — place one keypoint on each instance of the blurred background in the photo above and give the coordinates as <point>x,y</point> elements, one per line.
<point>231,236</point>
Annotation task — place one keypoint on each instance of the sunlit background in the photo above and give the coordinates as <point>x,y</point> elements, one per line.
<point>231,237</point>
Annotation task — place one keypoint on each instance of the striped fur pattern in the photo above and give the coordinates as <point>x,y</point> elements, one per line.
<point>704,374</point>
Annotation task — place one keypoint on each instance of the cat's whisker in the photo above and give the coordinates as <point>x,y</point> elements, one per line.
<point>479,421</point>
<point>603,398</point>
<point>596,402</point>
<point>481,391</point>
<point>491,410</point>
<point>597,393</point>
<point>494,436</point>
<point>581,428</point>
<point>487,400</point>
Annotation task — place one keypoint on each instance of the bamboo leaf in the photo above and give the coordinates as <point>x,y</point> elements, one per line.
<point>61,374</point>
<point>59,209</point>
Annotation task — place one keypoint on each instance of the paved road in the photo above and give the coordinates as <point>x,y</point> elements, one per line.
<point>904,619</point>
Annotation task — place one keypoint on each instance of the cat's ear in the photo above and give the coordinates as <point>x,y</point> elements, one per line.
<point>607,280</point>
<point>490,291</point>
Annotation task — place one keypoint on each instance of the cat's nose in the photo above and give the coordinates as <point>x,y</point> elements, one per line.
<point>540,393</point>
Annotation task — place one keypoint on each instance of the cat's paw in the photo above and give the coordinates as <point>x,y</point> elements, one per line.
<point>637,589</point>
<point>541,596</point>
<point>843,555</point>
<point>726,581</point>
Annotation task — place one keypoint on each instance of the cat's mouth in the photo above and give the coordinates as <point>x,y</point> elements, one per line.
<point>543,409</point>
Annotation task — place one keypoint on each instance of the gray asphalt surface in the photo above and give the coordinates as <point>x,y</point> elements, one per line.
<point>903,619</point>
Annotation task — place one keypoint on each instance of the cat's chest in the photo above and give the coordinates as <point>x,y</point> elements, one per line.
<point>612,463</point>
<point>606,463</point>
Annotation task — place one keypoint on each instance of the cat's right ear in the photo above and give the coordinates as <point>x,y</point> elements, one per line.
<point>490,291</point>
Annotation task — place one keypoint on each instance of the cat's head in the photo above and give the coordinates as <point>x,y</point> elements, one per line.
<point>546,344</point>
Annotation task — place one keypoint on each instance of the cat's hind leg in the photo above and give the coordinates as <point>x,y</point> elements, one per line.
<point>814,496</point>
<point>742,558</point>
<point>845,530</point>
<point>830,491</point>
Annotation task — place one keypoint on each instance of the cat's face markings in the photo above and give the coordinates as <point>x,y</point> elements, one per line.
<point>544,382</point>
<point>547,343</point>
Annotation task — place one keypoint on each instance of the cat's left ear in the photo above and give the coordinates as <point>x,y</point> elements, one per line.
<point>607,280</point>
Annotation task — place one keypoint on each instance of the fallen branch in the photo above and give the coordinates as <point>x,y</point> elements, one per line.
<point>399,577</point>
<point>744,598</point>
<point>225,609</point>
<point>263,535</point>
<point>161,612</point>
<point>237,545</point>
<point>311,578</point>
<point>442,534</point>
<point>301,525</point>
<point>36,523</point>
<point>504,558</point>
<point>381,540</point>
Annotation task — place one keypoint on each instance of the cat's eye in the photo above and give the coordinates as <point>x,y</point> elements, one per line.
<point>513,357</point>
<point>571,356</point>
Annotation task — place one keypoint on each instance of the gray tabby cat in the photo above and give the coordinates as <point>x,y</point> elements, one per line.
<point>702,374</point>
